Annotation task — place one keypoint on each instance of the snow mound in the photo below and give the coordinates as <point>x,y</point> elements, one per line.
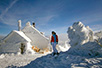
<point>82,41</point>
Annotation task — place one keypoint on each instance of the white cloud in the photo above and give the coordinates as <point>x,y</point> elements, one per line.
<point>5,11</point>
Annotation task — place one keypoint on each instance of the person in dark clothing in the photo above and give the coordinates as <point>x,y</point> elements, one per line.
<point>34,25</point>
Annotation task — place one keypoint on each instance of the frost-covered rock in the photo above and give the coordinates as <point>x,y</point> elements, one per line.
<point>82,41</point>
<point>79,34</point>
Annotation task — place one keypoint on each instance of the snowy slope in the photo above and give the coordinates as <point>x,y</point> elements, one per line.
<point>64,60</point>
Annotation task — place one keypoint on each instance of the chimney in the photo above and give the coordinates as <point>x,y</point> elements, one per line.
<point>19,25</point>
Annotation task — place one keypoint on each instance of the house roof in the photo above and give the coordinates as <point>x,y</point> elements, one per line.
<point>14,35</point>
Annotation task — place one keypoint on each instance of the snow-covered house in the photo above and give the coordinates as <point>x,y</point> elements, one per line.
<point>28,36</point>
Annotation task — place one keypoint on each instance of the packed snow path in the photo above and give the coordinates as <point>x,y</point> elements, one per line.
<point>64,60</point>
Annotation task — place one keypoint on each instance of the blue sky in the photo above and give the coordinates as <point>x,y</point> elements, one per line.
<point>50,15</point>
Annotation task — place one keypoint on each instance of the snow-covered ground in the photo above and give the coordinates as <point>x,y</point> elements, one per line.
<point>17,59</point>
<point>64,60</point>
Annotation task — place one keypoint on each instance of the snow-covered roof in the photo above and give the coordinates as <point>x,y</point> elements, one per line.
<point>23,35</point>
<point>16,35</point>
